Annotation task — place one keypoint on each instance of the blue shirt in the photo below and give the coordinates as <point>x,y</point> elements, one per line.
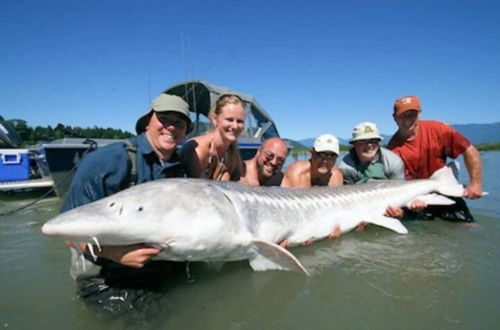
<point>107,171</point>
<point>104,172</point>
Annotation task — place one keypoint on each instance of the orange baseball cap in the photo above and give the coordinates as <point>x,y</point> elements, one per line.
<point>406,103</point>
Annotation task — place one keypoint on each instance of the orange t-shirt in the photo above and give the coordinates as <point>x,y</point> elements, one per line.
<point>435,141</point>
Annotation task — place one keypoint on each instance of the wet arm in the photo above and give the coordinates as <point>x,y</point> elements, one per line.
<point>473,163</point>
<point>130,255</point>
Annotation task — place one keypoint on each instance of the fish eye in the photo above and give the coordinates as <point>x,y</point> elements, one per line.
<point>140,208</point>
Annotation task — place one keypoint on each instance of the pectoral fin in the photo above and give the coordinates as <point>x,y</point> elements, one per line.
<point>273,256</point>
<point>434,199</point>
<point>389,223</point>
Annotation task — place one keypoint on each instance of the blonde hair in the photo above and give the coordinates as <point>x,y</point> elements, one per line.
<point>232,157</point>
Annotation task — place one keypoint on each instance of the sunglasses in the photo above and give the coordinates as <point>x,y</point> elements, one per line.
<point>270,156</point>
<point>171,120</point>
<point>327,155</point>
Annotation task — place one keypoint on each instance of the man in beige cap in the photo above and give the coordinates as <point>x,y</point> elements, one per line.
<point>424,146</point>
<point>368,161</point>
<point>105,276</point>
<point>320,169</point>
<point>265,168</point>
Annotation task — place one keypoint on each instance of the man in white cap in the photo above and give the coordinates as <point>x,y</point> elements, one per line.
<point>368,161</point>
<point>106,275</point>
<point>320,169</point>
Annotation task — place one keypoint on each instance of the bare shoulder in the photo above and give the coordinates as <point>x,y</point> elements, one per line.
<point>298,167</point>
<point>297,174</point>
<point>249,172</point>
<point>337,178</point>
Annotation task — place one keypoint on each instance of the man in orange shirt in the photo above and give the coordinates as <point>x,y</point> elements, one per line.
<point>424,146</point>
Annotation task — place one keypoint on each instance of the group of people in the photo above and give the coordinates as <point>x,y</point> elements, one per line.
<point>107,274</point>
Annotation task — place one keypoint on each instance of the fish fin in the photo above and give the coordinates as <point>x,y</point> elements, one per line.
<point>389,223</point>
<point>448,184</point>
<point>433,199</point>
<point>273,256</point>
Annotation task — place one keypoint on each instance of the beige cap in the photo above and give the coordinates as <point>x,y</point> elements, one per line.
<point>326,142</point>
<point>164,103</point>
<point>365,131</point>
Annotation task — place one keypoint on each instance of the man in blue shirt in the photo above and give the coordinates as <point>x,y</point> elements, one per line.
<point>117,277</point>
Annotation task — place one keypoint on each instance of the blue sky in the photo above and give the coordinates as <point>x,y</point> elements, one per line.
<point>315,66</point>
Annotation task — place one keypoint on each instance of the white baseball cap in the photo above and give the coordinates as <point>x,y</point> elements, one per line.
<point>365,131</point>
<point>326,142</point>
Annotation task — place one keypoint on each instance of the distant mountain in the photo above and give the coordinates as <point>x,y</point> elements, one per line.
<point>294,144</point>
<point>307,142</point>
<point>479,133</point>
<point>476,133</point>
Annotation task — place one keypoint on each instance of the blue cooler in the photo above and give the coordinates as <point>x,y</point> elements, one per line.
<point>14,165</point>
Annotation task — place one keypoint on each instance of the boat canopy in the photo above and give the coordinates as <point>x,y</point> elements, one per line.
<point>201,95</point>
<point>8,135</point>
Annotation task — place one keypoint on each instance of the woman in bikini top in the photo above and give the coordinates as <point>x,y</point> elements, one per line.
<point>215,154</point>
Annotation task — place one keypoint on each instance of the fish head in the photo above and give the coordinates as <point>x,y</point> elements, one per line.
<point>181,213</point>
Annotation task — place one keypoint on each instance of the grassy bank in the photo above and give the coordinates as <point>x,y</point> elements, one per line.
<point>488,146</point>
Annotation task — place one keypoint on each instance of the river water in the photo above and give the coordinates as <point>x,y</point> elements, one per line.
<point>440,276</point>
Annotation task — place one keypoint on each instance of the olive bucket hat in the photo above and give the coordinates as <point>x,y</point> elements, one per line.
<point>164,103</point>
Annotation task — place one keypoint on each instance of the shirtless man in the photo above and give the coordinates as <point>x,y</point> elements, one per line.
<point>320,169</point>
<point>265,168</point>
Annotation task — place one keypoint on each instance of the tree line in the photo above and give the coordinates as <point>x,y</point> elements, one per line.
<point>32,135</point>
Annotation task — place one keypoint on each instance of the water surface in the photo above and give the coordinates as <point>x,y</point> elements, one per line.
<point>439,276</point>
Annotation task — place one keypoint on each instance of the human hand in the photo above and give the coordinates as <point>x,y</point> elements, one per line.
<point>394,212</point>
<point>417,205</point>
<point>135,256</point>
<point>473,191</point>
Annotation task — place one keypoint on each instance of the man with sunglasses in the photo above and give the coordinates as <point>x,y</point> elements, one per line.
<point>320,169</point>
<point>265,168</point>
<point>368,161</point>
<point>116,277</point>
<point>424,146</point>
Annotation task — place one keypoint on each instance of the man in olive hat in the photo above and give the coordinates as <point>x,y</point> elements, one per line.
<point>106,275</point>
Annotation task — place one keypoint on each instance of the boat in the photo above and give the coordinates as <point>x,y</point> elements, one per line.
<point>22,170</point>
<point>201,95</point>
<point>63,156</point>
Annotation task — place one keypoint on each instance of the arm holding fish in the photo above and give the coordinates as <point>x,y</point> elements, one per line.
<point>129,255</point>
<point>472,161</point>
<point>395,170</point>
<point>102,173</point>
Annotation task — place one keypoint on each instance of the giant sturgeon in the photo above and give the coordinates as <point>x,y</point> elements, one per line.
<point>201,220</point>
